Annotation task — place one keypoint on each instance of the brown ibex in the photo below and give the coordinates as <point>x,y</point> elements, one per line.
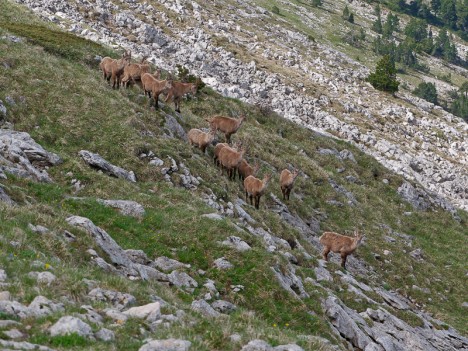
<point>337,243</point>
<point>246,170</point>
<point>218,148</point>
<point>230,160</point>
<point>133,72</point>
<point>201,139</point>
<point>178,90</point>
<point>287,179</point>
<point>113,69</point>
<point>155,87</point>
<point>226,125</point>
<point>255,188</point>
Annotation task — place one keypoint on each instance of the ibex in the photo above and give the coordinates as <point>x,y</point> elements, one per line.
<point>337,243</point>
<point>113,69</point>
<point>178,90</point>
<point>246,170</point>
<point>230,160</point>
<point>133,72</point>
<point>155,87</point>
<point>255,188</point>
<point>226,125</point>
<point>287,179</point>
<point>200,138</point>
<point>220,146</point>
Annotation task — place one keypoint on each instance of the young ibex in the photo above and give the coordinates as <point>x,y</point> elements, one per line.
<point>178,90</point>
<point>230,160</point>
<point>155,87</point>
<point>287,179</point>
<point>201,139</point>
<point>226,125</point>
<point>255,188</point>
<point>246,170</point>
<point>133,72</point>
<point>113,69</point>
<point>337,243</point>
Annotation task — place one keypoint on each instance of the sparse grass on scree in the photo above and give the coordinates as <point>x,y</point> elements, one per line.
<point>68,107</point>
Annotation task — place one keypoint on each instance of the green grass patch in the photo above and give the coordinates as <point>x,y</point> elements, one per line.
<point>57,42</point>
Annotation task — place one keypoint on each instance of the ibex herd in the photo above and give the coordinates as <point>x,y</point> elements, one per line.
<point>229,158</point>
<point>123,72</point>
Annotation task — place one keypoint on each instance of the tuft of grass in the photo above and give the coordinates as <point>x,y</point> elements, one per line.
<point>72,340</point>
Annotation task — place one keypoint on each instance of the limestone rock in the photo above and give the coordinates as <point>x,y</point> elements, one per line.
<point>182,280</point>
<point>205,309</point>
<point>223,306</point>
<point>96,161</point>
<point>116,298</point>
<point>166,345</point>
<point>222,263</point>
<point>128,208</point>
<point>151,312</point>
<point>236,243</point>
<point>13,334</point>
<point>42,306</point>
<point>3,195</point>
<point>105,335</point>
<point>167,264</point>
<point>69,325</point>
<point>23,157</point>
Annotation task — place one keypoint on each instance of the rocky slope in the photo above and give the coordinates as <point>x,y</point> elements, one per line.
<point>242,51</point>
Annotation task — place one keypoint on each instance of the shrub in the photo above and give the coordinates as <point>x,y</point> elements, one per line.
<point>384,77</point>
<point>183,74</point>
<point>275,9</point>
<point>316,3</point>
<point>426,91</point>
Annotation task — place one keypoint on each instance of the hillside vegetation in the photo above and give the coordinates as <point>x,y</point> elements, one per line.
<point>52,89</point>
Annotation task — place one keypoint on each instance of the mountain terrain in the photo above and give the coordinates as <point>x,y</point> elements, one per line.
<point>116,234</point>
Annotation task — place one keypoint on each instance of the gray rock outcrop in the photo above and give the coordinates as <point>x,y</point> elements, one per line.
<point>96,161</point>
<point>22,156</point>
<point>71,325</point>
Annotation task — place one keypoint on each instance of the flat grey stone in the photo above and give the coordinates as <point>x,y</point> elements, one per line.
<point>125,207</point>
<point>166,345</point>
<point>69,325</point>
<point>13,334</point>
<point>222,263</point>
<point>204,308</point>
<point>105,335</point>
<point>167,264</point>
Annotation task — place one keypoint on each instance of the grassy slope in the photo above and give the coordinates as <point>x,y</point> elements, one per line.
<point>68,108</point>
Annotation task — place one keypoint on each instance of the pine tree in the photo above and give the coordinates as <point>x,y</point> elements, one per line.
<point>316,3</point>
<point>443,47</point>
<point>351,18</point>
<point>435,4</point>
<point>462,13</point>
<point>464,89</point>
<point>391,25</point>
<point>460,102</point>
<point>384,77</point>
<point>377,24</point>
<point>448,13</point>
<point>416,29</point>
<point>427,91</point>
<point>346,13</point>
<point>405,55</point>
